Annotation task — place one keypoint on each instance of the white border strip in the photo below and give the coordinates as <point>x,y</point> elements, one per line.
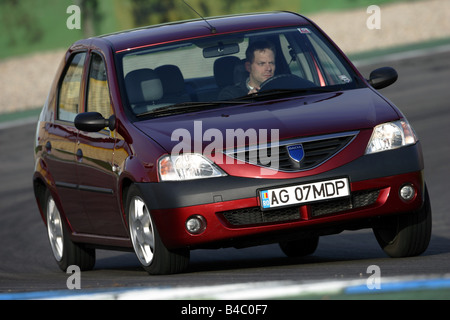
<point>248,291</point>
<point>402,55</point>
<point>19,122</point>
<point>266,290</point>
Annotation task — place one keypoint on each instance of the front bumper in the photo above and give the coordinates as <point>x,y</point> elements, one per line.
<point>230,205</point>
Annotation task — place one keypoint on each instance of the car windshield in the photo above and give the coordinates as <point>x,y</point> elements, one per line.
<point>236,68</point>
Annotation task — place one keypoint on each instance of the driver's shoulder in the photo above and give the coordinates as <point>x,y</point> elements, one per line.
<point>233,91</point>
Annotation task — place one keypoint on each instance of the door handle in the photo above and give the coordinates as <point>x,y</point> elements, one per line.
<point>79,155</point>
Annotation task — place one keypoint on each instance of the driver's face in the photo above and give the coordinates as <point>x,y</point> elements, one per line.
<point>262,67</point>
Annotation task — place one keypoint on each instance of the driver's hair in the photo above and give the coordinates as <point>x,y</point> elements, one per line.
<point>258,46</point>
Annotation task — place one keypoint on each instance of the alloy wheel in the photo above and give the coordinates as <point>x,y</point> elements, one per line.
<point>55,229</point>
<point>141,231</point>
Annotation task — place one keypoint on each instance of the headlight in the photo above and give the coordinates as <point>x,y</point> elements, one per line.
<point>188,166</point>
<point>391,135</point>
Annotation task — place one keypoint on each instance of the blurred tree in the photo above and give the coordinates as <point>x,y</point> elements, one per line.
<point>231,6</point>
<point>147,12</point>
<point>21,24</point>
<point>90,17</point>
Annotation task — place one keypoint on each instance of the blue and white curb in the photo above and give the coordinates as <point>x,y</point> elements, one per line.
<point>248,291</point>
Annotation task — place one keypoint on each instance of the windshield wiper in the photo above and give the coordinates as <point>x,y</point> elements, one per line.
<point>187,107</point>
<point>195,106</point>
<point>272,92</point>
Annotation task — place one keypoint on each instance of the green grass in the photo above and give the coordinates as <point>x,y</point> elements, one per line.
<point>40,25</point>
<point>398,49</point>
<point>34,25</point>
<point>8,117</point>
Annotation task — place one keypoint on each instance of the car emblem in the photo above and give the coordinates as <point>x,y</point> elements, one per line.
<point>296,152</point>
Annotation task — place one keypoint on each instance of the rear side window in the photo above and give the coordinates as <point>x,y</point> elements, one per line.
<point>69,93</point>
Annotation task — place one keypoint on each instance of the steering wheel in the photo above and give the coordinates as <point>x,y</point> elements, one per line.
<point>285,81</point>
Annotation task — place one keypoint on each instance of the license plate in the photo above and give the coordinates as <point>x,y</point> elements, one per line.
<point>304,193</point>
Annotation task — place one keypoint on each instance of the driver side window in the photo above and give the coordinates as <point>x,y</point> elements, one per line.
<point>98,98</point>
<point>69,92</point>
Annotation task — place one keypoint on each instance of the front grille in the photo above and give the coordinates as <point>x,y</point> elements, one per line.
<point>254,215</point>
<point>358,199</point>
<point>316,151</point>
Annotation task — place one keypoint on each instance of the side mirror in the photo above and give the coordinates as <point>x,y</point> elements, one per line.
<point>94,122</point>
<point>382,77</point>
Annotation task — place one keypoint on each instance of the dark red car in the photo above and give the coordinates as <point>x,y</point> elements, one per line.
<point>161,140</point>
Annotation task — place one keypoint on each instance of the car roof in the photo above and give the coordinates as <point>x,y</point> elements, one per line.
<point>174,31</point>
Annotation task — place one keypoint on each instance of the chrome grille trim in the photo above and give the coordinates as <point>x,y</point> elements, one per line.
<point>318,149</point>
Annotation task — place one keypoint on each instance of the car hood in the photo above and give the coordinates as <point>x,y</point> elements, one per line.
<point>293,117</point>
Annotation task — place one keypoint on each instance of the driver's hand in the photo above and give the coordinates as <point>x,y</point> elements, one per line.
<point>254,90</point>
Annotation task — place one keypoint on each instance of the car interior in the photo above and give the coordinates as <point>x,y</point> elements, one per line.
<point>197,71</point>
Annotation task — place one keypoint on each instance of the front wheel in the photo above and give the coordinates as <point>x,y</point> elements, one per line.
<point>65,252</point>
<point>154,257</point>
<point>406,235</point>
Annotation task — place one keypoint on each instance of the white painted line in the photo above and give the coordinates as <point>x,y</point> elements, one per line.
<point>19,122</point>
<point>259,290</point>
<point>402,55</point>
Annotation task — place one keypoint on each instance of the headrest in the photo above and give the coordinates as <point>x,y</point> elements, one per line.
<point>240,72</point>
<point>224,70</point>
<point>143,85</point>
<point>171,78</point>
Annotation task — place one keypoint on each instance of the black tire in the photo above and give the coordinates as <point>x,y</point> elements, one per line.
<point>151,252</point>
<point>299,248</point>
<point>65,252</point>
<point>406,235</point>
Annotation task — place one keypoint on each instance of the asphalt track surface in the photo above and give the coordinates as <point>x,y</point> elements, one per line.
<point>422,93</point>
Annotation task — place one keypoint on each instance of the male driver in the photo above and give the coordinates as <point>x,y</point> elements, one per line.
<point>260,64</point>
